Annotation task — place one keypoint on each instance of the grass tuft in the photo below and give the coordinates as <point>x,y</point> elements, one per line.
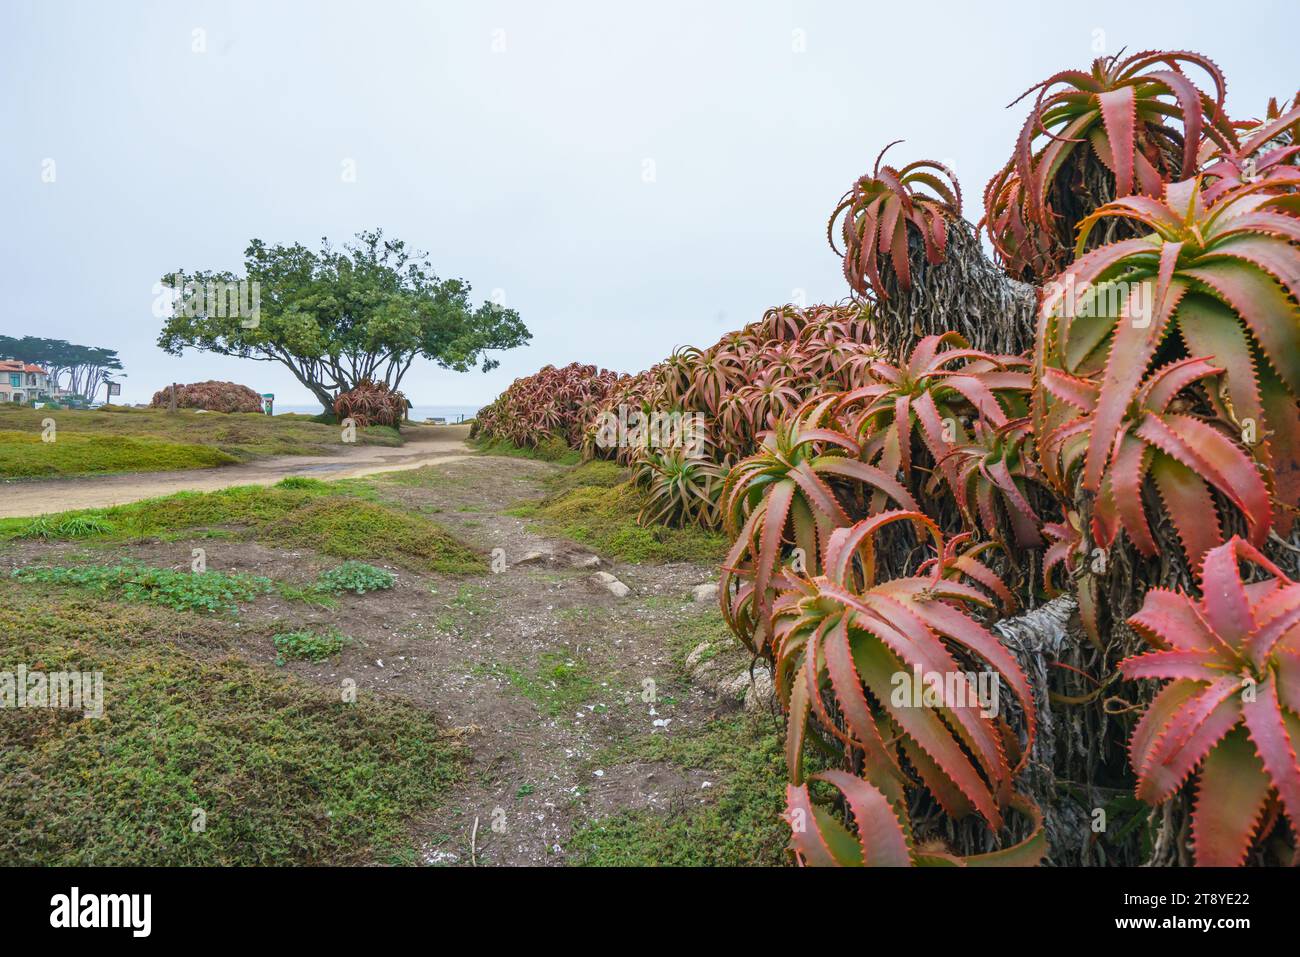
<point>560,684</point>
<point>351,528</point>
<point>549,449</point>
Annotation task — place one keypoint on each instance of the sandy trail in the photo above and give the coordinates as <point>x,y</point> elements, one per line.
<point>425,445</point>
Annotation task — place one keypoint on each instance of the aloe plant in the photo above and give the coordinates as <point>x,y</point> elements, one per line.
<point>996,467</point>
<point>846,634</point>
<point>784,496</point>
<point>882,209</point>
<point>889,490</point>
<point>371,403</point>
<point>943,386</point>
<point>1268,153</point>
<point>681,488</point>
<point>1140,118</point>
<point>1224,276</point>
<point>1231,707</point>
<point>1184,455</point>
<point>559,403</point>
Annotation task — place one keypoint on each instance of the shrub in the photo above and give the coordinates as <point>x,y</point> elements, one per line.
<point>211,396</point>
<point>371,403</point>
<point>552,406</point>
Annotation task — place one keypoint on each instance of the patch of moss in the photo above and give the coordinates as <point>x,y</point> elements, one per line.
<point>604,518</point>
<point>236,436</point>
<point>550,449</point>
<point>428,476</point>
<point>598,473</point>
<point>25,455</point>
<point>331,518</point>
<point>280,771</point>
<point>351,528</point>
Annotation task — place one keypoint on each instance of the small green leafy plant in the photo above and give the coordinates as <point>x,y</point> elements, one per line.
<point>356,577</point>
<point>185,591</point>
<point>307,646</point>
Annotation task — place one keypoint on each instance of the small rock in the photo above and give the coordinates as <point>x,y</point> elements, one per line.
<point>761,693</point>
<point>708,673</point>
<point>612,584</point>
<point>585,561</point>
<point>735,687</point>
<point>534,556</point>
<point>441,857</point>
<point>698,652</point>
<point>706,592</point>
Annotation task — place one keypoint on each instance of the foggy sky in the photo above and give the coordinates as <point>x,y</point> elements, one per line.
<point>631,176</point>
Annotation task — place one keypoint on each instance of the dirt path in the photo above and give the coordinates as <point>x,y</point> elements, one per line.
<point>548,671</point>
<point>424,446</point>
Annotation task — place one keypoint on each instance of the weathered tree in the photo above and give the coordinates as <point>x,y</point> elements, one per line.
<point>335,318</point>
<point>85,367</point>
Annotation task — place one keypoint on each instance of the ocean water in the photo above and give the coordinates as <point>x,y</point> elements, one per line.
<point>452,413</point>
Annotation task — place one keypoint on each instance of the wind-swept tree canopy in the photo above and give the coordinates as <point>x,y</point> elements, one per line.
<point>335,318</point>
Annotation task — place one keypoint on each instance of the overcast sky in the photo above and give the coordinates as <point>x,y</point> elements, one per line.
<point>631,176</point>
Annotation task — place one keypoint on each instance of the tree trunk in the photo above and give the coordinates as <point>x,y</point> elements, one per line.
<point>966,293</point>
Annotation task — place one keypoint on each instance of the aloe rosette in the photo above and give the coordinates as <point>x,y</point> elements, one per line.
<point>784,497</point>
<point>1224,276</point>
<point>846,635</point>
<point>934,396</point>
<point>1232,705</point>
<point>878,212</point>
<point>1183,454</point>
<point>1140,117</point>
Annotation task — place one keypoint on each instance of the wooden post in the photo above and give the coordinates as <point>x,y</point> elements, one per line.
<point>171,405</point>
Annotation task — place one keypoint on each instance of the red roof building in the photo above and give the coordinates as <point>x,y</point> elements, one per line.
<point>22,381</point>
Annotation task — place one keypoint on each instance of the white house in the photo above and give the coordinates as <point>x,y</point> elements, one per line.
<point>22,382</point>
